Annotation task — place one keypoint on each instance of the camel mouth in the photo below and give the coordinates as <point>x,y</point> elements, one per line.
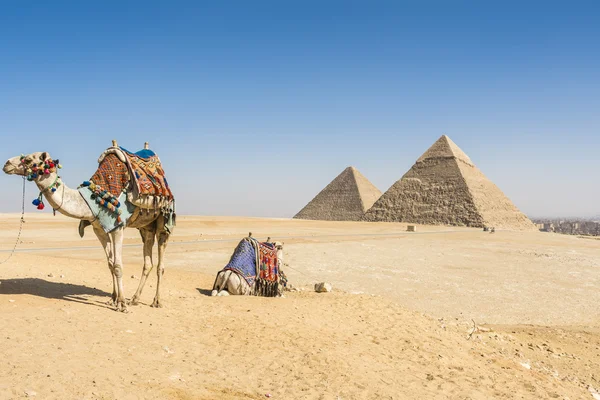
<point>11,169</point>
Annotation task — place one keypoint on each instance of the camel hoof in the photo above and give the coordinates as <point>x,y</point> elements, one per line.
<point>122,307</point>
<point>156,304</point>
<point>111,302</point>
<point>133,302</point>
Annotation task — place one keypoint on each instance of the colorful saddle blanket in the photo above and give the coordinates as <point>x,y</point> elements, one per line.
<point>148,173</point>
<point>264,279</point>
<point>112,175</point>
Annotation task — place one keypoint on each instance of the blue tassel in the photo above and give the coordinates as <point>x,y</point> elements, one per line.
<point>36,202</point>
<point>53,190</point>
<point>86,183</point>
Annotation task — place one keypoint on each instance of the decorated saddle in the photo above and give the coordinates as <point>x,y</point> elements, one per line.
<point>258,264</point>
<point>150,186</point>
<point>125,180</point>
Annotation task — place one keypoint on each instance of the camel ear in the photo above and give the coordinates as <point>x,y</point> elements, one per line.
<point>44,156</point>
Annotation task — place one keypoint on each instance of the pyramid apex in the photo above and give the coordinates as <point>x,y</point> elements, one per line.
<point>444,147</point>
<point>350,169</point>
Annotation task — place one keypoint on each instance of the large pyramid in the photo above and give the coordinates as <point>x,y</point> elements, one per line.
<point>346,198</point>
<point>444,187</point>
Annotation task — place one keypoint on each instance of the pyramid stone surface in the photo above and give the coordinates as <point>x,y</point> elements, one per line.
<point>346,198</point>
<point>444,187</point>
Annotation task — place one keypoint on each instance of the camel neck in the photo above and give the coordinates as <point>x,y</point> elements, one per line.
<point>63,199</point>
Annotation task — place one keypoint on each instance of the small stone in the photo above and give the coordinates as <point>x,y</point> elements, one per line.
<point>62,276</point>
<point>526,365</point>
<point>11,301</point>
<point>323,287</point>
<point>50,275</point>
<point>30,393</point>
<point>133,277</point>
<point>594,392</point>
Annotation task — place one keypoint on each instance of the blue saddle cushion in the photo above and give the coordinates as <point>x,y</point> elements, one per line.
<point>145,154</point>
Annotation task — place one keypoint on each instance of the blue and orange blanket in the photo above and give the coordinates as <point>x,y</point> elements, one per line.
<point>265,279</point>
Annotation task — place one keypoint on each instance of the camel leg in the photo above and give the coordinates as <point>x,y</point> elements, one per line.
<point>116,239</point>
<point>148,239</point>
<point>163,238</point>
<point>220,284</point>
<point>104,240</point>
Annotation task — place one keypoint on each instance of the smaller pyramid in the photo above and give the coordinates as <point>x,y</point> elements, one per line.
<point>346,198</point>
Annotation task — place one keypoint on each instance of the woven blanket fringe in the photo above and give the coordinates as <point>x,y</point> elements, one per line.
<point>265,288</point>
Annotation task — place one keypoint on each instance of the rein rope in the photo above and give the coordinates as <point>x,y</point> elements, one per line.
<point>53,188</point>
<point>20,226</point>
<point>62,201</point>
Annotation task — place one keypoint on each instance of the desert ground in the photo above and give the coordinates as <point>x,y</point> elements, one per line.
<point>441,313</point>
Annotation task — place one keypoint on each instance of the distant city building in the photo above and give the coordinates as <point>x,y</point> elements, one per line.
<point>569,226</point>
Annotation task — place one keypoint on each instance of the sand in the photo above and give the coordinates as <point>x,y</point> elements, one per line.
<point>399,324</point>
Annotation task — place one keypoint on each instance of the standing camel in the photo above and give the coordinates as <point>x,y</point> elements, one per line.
<point>150,223</point>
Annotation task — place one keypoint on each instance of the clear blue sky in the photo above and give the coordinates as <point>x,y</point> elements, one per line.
<point>255,106</point>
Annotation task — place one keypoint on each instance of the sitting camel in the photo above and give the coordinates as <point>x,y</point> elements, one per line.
<point>240,276</point>
<point>151,223</point>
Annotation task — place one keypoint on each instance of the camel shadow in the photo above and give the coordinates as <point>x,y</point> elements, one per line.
<point>205,292</point>
<point>50,290</point>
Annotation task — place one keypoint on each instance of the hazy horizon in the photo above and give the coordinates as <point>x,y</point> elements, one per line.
<point>254,108</point>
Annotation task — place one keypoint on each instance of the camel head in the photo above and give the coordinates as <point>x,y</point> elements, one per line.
<point>283,278</point>
<point>279,247</point>
<point>33,166</point>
